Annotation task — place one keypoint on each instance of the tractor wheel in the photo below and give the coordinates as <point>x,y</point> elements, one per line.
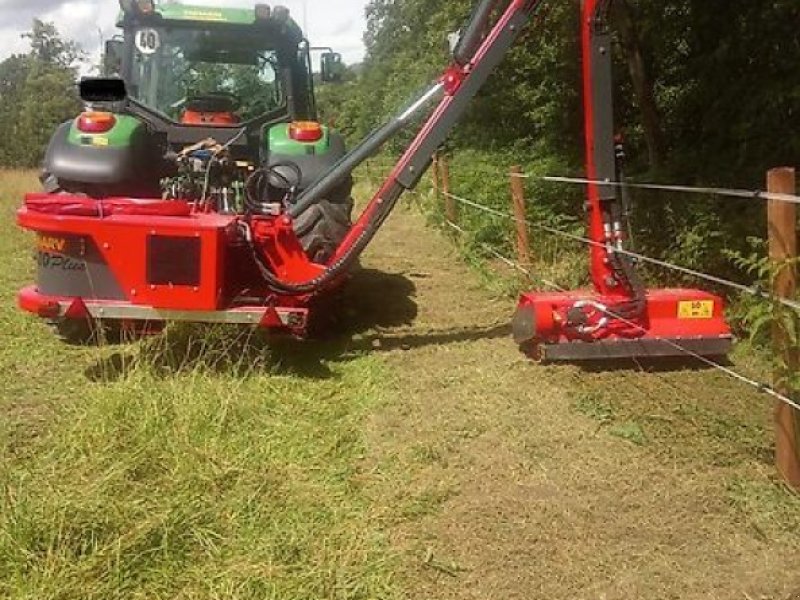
<point>50,183</point>
<point>323,226</point>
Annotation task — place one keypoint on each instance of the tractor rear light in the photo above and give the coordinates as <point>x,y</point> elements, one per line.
<point>305,131</point>
<point>263,12</point>
<point>96,122</point>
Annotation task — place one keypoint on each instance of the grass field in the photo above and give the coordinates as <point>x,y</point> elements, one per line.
<point>177,469</point>
<point>416,455</point>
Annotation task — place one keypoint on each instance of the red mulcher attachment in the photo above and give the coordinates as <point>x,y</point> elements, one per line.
<point>619,318</point>
<point>150,261</point>
<point>576,326</point>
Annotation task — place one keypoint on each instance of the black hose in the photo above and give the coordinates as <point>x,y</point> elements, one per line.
<point>334,270</point>
<point>256,188</point>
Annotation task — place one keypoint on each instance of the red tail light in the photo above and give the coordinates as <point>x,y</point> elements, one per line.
<point>305,131</point>
<point>96,122</point>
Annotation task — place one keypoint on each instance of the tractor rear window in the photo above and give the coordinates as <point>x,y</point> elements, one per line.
<point>175,67</point>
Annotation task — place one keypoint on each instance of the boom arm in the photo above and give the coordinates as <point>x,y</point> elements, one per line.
<point>455,90</point>
<point>474,59</point>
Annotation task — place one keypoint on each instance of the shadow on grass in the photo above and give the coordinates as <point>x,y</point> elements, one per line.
<point>662,364</point>
<point>346,324</point>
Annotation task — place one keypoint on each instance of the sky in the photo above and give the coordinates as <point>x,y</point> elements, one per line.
<point>339,24</point>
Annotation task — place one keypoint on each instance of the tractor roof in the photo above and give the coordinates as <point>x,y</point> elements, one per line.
<point>185,12</point>
<point>278,28</point>
<point>178,12</point>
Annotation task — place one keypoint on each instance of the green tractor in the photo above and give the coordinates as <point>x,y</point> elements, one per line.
<point>197,82</point>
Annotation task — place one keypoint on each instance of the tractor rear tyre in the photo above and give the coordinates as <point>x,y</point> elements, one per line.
<point>323,226</point>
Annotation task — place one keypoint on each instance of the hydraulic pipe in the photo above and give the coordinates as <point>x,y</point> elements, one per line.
<point>362,152</point>
<point>471,38</point>
<point>600,153</point>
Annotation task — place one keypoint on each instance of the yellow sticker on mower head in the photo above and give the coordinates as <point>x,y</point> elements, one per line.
<point>696,309</point>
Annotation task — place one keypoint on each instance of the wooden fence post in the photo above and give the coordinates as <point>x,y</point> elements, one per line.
<point>782,219</point>
<point>450,211</point>
<point>520,216</point>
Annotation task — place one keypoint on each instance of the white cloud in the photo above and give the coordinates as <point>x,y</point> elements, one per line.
<point>337,24</point>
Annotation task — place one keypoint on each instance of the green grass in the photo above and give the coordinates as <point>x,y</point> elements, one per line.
<point>158,470</point>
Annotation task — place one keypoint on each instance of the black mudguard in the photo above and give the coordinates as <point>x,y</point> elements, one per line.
<point>138,164</point>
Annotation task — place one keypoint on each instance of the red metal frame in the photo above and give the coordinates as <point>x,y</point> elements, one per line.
<point>120,228</point>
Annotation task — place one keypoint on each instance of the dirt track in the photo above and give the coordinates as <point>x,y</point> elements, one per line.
<point>503,479</point>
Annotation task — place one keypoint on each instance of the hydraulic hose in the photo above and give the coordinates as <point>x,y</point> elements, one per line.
<point>472,36</point>
<point>366,149</point>
<point>342,264</point>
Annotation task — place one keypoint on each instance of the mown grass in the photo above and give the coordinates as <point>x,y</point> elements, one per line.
<point>674,408</point>
<point>159,471</point>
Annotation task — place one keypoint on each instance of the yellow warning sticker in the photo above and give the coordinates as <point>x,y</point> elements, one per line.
<point>698,309</point>
<point>99,141</point>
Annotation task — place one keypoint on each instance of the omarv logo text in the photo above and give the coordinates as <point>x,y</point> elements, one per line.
<point>48,243</point>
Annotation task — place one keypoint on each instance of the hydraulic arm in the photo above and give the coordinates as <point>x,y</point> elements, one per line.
<point>476,55</point>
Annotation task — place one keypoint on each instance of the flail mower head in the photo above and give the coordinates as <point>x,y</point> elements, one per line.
<point>620,317</point>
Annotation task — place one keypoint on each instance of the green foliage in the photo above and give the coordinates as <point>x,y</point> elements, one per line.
<point>719,76</point>
<point>37,92</point>
<point>769,322</point>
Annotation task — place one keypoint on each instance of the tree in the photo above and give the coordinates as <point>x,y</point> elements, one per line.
<point>706,92</point>
<point>37,92</point>
<point>47,46</point>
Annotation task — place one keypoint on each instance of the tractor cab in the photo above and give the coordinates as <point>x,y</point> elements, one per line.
<point>213,67</point>
<point>237,77</point>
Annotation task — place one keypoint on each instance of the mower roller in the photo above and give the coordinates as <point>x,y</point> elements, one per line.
<point>169,201</point>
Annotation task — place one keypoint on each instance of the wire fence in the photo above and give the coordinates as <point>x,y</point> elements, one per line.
<point>755,291</point>
<point>788,423</point>
<point>681,189</point>
<point>760,386</point>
